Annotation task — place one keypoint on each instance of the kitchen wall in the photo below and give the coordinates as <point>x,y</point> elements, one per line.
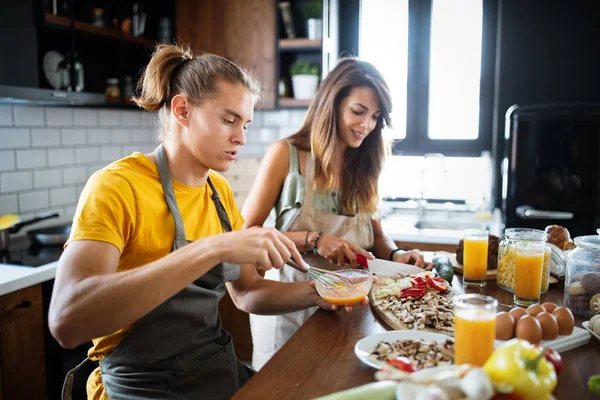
<point>48,153</point>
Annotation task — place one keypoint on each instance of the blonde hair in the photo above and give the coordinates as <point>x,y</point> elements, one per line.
<point>363,165</point>
<point>173,70</point>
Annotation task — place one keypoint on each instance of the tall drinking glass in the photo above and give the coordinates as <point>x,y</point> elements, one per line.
<point>474,328</point>
<point>475,257</point>
<point>529,264</point>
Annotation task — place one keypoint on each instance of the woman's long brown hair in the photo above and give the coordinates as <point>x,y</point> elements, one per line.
<point>319,132</point>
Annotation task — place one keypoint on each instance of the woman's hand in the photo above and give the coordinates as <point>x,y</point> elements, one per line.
<point>335,250</point>
<point>412,257</point>
<point>265,248</point>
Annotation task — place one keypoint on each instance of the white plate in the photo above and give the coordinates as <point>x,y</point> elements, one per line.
<point>364,347</point>
<point>586,325</point>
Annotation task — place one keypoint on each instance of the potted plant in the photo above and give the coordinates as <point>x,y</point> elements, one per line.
<point>305,79</point>
<point>313,14</point>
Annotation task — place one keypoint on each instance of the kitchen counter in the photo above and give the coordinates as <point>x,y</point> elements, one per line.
<point>319,359</point>
<point>17,277</point>
<point>436,227</point>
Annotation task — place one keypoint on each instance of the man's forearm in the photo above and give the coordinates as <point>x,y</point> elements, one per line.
<point>267,297</point>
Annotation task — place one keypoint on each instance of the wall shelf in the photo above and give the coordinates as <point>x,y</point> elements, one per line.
<point>96,30</point>
<point>290,102</point>
<point>301,44</point>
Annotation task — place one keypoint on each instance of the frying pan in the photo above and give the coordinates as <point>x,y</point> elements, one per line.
<point>51,236</point>
<point>5,233</point>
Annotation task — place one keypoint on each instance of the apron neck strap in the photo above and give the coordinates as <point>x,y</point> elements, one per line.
<point>309,180</point>
<point>167,186</point>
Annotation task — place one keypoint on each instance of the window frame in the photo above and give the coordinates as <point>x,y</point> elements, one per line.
<point>417,142</point>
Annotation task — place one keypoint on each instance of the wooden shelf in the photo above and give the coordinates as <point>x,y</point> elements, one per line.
<point>96,30</point>
<point>301,44</point>
<point>290,102</point>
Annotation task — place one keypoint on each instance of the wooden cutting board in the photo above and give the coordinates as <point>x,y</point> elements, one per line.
<point>390,318</point>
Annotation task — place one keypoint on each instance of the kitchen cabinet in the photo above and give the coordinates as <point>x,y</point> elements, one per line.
<point>75,47</point>
<point>251,34</point>
<point>22,364</point>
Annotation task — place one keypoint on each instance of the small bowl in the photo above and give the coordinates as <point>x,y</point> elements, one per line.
<point>347,295</point>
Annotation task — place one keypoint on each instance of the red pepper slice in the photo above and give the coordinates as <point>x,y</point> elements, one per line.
<point>413,292</point>
<point>402,363</point>
<point>440,287</point>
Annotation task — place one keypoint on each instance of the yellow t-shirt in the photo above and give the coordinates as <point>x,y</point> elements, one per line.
<point>124,204</point>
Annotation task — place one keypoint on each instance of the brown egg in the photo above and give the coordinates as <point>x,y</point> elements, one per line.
<point>535,309</point>
<point>565,320</point>
<point>549,307</point>
<point>529,328</point>
<point>505,326</point>
<point>517,313</point>
<point>549,325</point>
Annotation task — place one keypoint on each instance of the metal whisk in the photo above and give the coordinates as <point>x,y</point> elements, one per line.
<point>323,276</point>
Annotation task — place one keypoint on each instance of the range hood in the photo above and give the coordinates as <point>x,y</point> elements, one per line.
<point>29,95</point>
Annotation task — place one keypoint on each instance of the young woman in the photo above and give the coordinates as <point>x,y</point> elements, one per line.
<point>156,239</point>
<point>321,183</point>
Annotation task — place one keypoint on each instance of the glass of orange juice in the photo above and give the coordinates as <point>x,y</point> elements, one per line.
<point>529,264</point>
<point>475,257</point>
<point>474,328</point>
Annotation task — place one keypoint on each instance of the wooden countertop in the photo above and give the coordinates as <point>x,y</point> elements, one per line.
<point>319,359</point>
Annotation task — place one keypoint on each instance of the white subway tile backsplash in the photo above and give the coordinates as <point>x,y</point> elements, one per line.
<point>73,136</point>
<point>297,119</point>
<point>69,211</point>
<point>93,168</point>
<point>75,175</point>
<point>85,117</point>
<point>30,201</point>
<point>132,148</point>
<point>266,135</point>
<point>131,118</point>
<point>47,178</point>
<point>284,132</point>
<point>141,135</point>
<point>61,157</point>
<point>31,159</point>
<point>87,155</point>
<point>59,116</point>
<point>7,160</point>
<point>109,118</point>
<point>110,153</point>
<point>6,118</point>
<point>16,181</point>
<point>120,136</point>
<point>275,118</point>
<point>12,138</point>
<point>28,116</point>
<point>9,204</point>
<point>60,197</point>
<point>59,148</point>
<point>98,136</point>
<point>43,137</point>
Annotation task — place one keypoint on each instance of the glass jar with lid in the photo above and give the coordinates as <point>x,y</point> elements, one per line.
<point>507,251</point>
<point>582,283</point>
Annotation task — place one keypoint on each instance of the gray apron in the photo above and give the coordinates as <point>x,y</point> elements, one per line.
<point>178,350</point>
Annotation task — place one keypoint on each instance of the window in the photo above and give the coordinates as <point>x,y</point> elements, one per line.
<point>438,58</point>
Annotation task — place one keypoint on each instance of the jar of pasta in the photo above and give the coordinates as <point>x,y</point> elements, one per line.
<point>507,251</point>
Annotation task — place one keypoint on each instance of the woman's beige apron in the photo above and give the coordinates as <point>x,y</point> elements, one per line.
<point>269,333</point>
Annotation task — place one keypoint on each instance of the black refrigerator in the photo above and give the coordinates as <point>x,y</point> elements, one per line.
<point>551,167</point>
